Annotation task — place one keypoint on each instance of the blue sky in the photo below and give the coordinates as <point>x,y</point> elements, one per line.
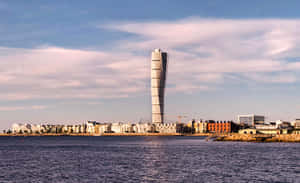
<point>67,62</point>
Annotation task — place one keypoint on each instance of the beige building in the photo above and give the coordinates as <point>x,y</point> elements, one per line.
<point>200,127</point>
<point>116,127</point>
<point>90,126</point>
<point>158,80</point>
<point>102,128</point>
<point>166,127</point>
<point>297,124</point>
<point>272,131</point>
<point>127,128</point>
<point>143,128</point>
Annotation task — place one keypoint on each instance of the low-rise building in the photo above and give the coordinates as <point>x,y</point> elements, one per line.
<point>122,127</point>
<point>277,127</point>
<point>297,124</point>
<point>268,131</point>
<point>250,119</point>
<point>281,124</point>
<point>21,128</point>
<point>271,131</point>
<point>90,126</point>
<point>143,128</point>
<point>167,128</point>
<point>48,128</point>
<point>35,128</point>
<point>266,126</point>
<point>200,127</point>
<point>222,127</point>
<point>116,127</point>
<point>127,128</point>
<point>197,126</point>
<point>102,128</point>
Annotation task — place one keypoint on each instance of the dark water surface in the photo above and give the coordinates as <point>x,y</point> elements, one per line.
<point>145,159</point>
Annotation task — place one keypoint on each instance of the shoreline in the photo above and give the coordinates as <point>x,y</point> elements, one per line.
<point>260,138</point>
<point>105,134</point>
<point>209,136</point>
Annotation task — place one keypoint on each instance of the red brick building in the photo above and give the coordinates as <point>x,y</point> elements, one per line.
<point>221,127</point>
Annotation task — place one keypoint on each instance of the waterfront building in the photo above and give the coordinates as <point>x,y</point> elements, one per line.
<point>65,129</point>
<point>158,80</point>
<point>52,129</point>
<point>250,119</point>
<point>122,127</point>
<point>143,128</point>
<point>116,127</point>
<point>272,131</point>
<point>222,127</point>
<point>15,128</point>
<point>70,130</point>
<point>265,126</point>
<point>297,124</point>
<point>201,127</point>
<point>90,126</point>
<point>58,128</point>
<point>278,124</point>
<point>74,129</point>
<point>127,128</point>
<point>21,128</point>
<point>101,128</point>
<point>167,128</point>
<point>105,128</point>
<point>35,128</point>
<point>77,129</point>
<point>82,128</point>
<point>190,127</point>
<point>198,126</point>
<point>43,129</point>
<point>278,127</point>
<point>48,128</point>
<point>282,124</point>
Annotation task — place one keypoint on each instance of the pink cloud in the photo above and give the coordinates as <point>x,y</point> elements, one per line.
<point>218,47</point>
<point>17,108</point>
<point>66,73</point>
<point>203,54</point>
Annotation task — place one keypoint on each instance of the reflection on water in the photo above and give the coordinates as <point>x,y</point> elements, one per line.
<point>145,159</point>
<point>151,158</point>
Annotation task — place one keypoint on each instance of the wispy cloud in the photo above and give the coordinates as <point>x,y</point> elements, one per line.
<point>213,48</point>
<point>203,55</point>
<point>18,108</point>
<point>269,78</point>
<point>51,72</point>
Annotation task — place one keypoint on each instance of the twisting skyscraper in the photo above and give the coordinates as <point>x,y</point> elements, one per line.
<point>158,81</point>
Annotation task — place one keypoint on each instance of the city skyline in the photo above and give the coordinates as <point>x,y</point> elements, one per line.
<point>63,63</point>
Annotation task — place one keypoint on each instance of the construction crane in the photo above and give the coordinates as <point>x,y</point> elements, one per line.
<point>180,117</point>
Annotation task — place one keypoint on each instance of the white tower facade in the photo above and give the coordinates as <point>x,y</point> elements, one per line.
<point>158,81</point>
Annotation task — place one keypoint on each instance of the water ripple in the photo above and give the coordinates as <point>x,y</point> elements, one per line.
<point>145,159</point>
